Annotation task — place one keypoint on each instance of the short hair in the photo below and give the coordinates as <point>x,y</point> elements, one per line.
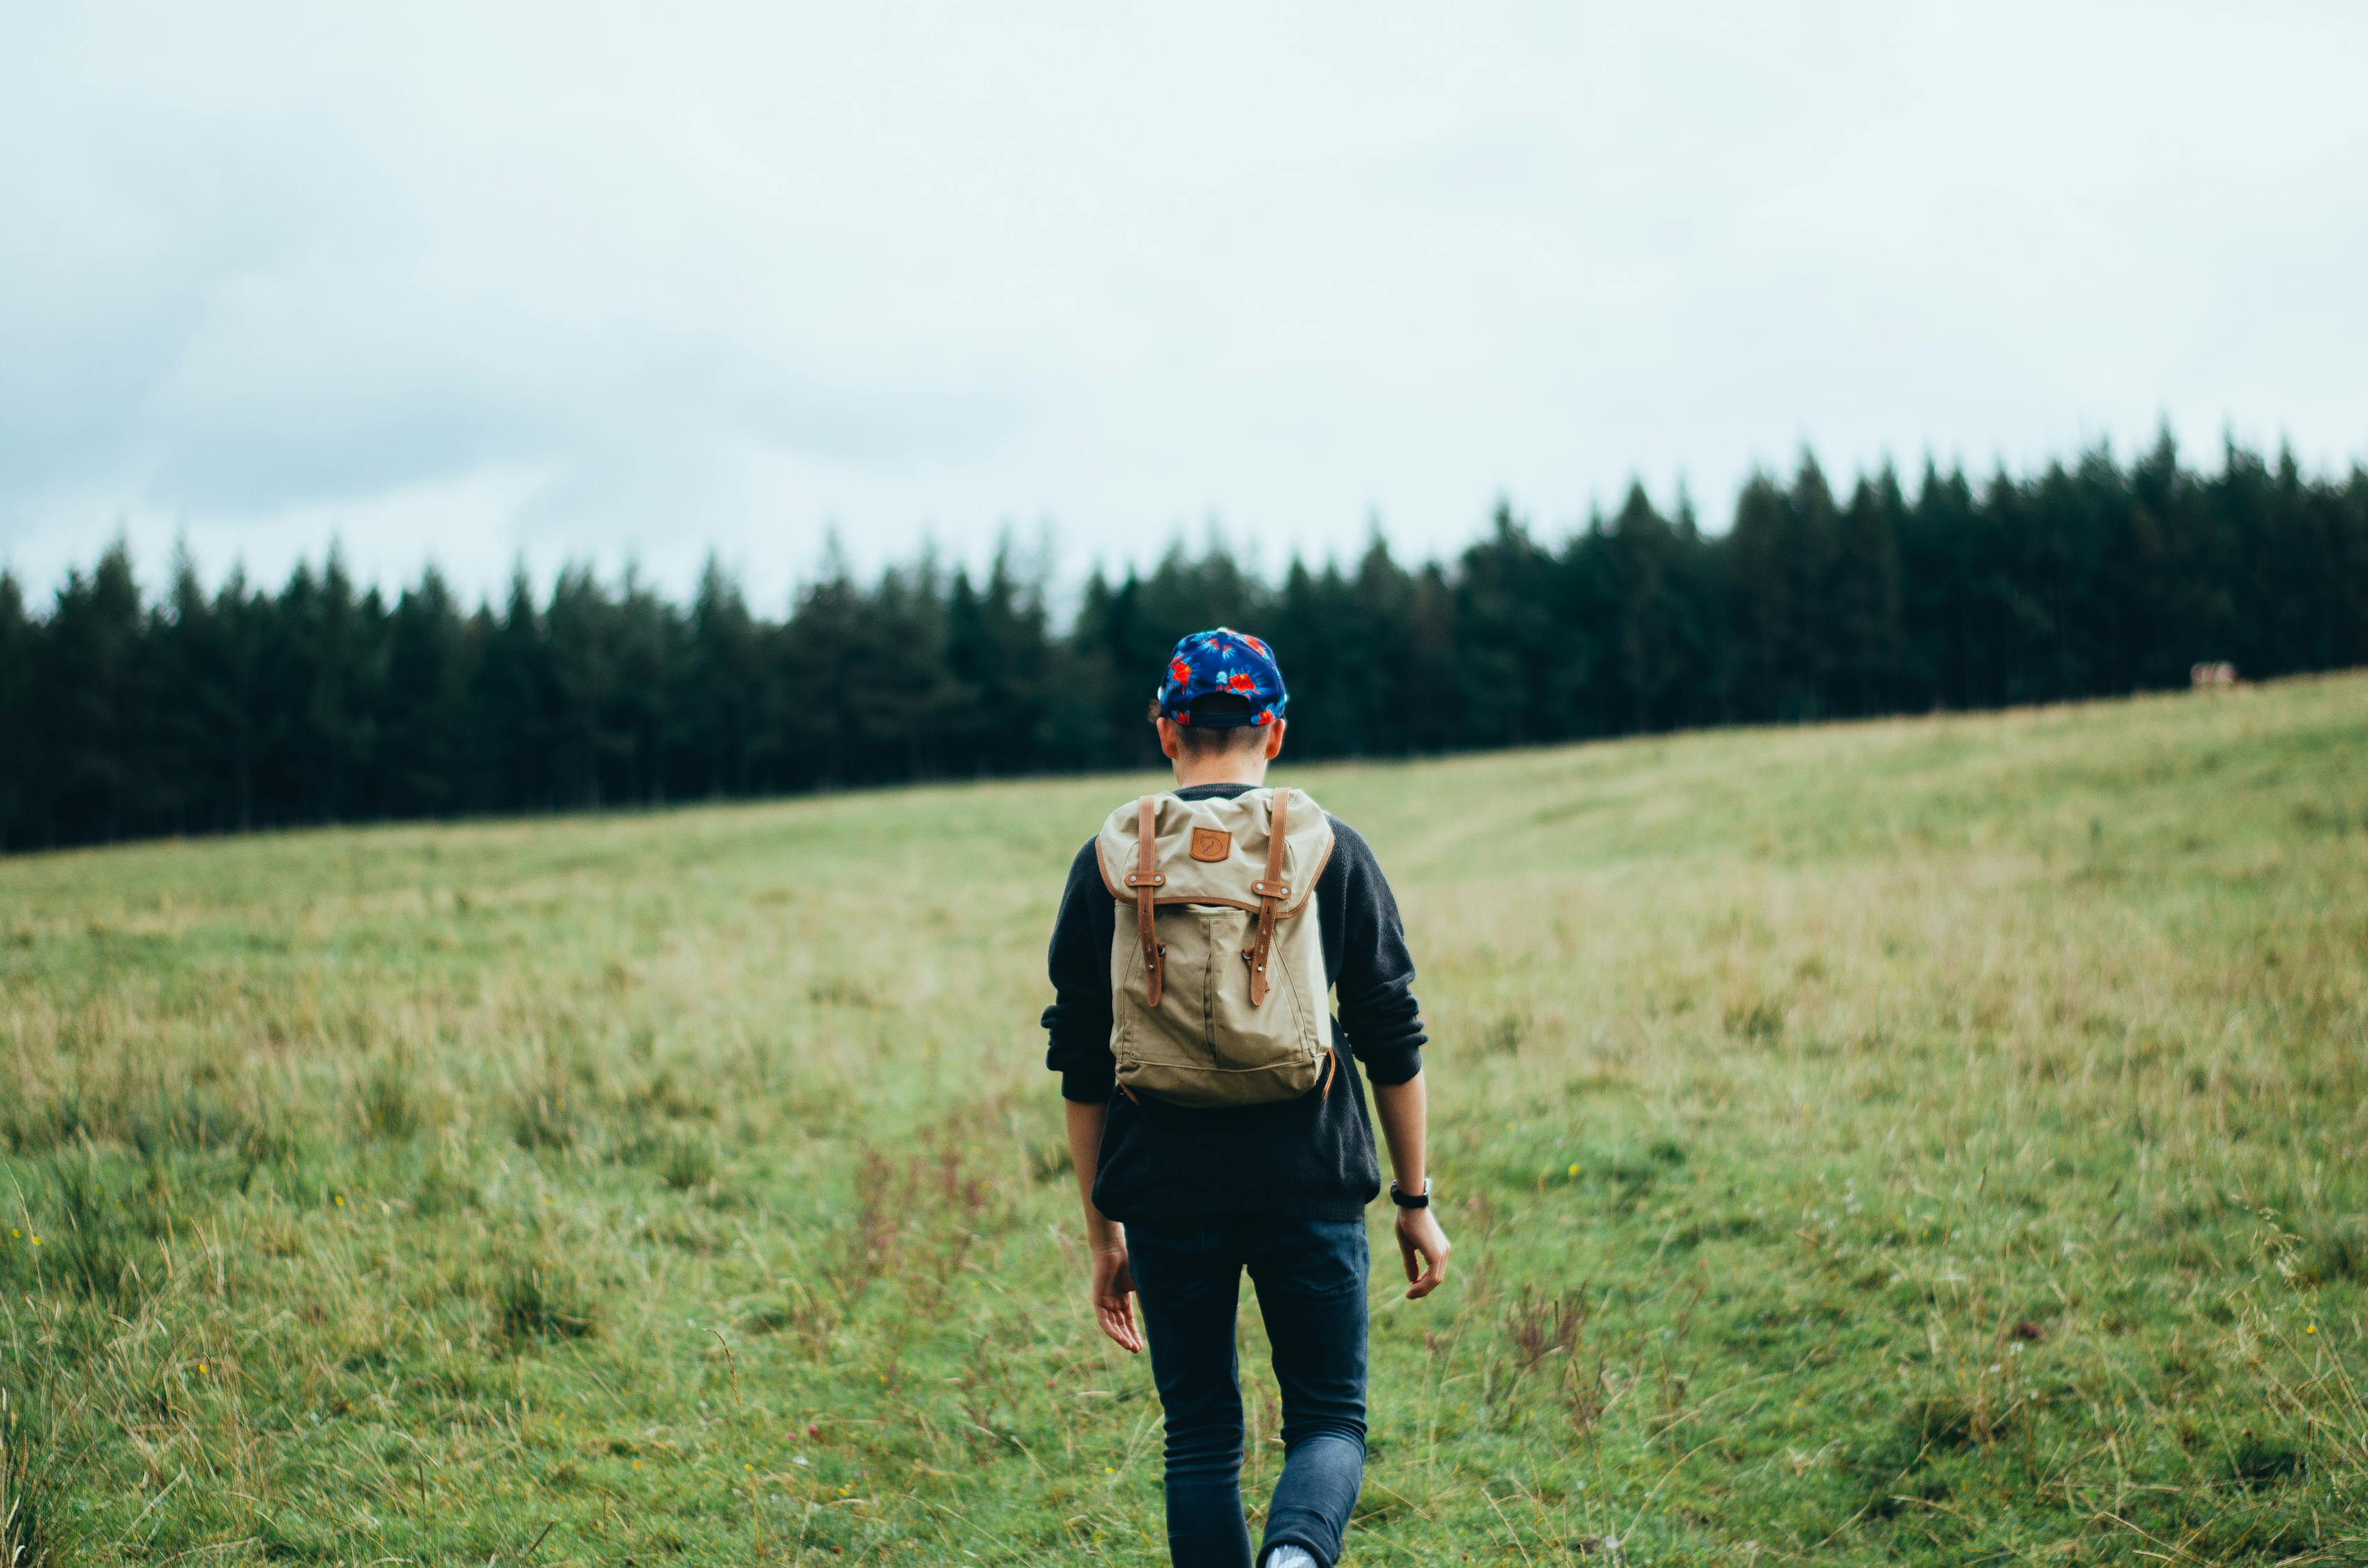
<point>1214,740</point>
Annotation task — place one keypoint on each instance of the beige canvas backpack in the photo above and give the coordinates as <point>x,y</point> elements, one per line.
<point>1217,984</point>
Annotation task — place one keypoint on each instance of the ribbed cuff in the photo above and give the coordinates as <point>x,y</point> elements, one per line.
<point>1391,1064</point>
<point>1089,1085</point>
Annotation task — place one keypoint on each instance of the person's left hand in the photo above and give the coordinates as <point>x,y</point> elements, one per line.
<point>1420,1238</point>
<point>1113,1293</point>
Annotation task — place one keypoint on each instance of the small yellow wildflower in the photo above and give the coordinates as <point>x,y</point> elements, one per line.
<point>1573,1168</point>
<point>341,1200</point>
<point>2312,1329</point>
<point>201,1366</point>
<point>637,1464</point>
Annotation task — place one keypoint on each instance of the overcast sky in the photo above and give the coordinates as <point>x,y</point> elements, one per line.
<point>475,283</point>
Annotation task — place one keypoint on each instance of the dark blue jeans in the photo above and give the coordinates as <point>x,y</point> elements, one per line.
<point>1310,1277</point>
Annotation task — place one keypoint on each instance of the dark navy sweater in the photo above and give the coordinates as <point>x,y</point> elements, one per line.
<point>1311,1157</point>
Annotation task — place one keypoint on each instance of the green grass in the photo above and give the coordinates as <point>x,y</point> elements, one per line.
<point>1934,1141</point>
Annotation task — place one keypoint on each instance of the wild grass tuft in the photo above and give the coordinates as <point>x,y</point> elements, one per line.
<point>27,1494</point>
<point>390,1107</point>
<point>545,1118</point>
<point>103,1220</point>
<point>687,1164</point>
<point>539,1300</point>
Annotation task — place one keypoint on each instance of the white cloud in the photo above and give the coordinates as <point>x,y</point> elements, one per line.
<point>605,280</point>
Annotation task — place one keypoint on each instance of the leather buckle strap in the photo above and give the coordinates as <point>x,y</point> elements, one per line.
<point>1269,888</point>
<point>1143,878</point>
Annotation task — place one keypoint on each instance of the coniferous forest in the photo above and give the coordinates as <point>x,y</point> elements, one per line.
<point>196,710</point>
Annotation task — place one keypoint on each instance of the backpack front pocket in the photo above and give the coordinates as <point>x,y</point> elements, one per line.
<point>1204,1023</point>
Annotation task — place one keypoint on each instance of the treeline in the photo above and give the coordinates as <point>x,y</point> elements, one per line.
<point>326,700</point>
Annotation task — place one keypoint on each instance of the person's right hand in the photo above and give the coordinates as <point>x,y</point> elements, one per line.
<point>1113,1294</point>
<point>1419,1237</point>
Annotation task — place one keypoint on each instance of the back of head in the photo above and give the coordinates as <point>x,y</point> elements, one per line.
<point>1218,724</point>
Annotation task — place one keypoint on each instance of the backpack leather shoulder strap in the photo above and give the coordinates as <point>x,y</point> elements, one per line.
<point>1144,880</point>
<point>1270,890</point>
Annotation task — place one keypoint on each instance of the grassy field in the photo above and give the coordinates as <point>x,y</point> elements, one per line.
<point>1936,1141</point>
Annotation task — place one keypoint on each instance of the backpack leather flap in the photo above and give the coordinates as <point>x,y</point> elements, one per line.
<point>1234,879</point>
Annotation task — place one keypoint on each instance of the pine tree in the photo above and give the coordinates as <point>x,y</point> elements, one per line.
<point>90,704</point>
<point>1382,683</point>
<point>1863,592</point>
<point>580,639</point>
<point>650,644</point>
<point>1653,640</point>
<point>1109,640</point>
<point>185,748</point>
<point>430,752</point>
<point>510,695</point>
<point>1510,644</point>
<point>998,663</point>
<point>1937,553</point>
<point>820,651</point>
<point>1766,611</point>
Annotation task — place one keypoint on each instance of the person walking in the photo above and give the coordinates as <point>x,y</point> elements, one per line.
<point>1216,1103</point>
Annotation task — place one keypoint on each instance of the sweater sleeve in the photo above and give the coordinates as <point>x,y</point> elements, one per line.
<point>1374,985</point>
<point>1078,1021</point>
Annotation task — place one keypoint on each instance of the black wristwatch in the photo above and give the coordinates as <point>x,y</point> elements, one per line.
<point>1411,1200</point>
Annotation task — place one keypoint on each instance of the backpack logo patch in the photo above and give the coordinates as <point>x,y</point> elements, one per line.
<point>1211,844</point>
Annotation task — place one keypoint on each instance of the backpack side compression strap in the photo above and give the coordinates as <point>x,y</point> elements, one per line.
<point>1269,888</point>
<point>1142,879</point>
